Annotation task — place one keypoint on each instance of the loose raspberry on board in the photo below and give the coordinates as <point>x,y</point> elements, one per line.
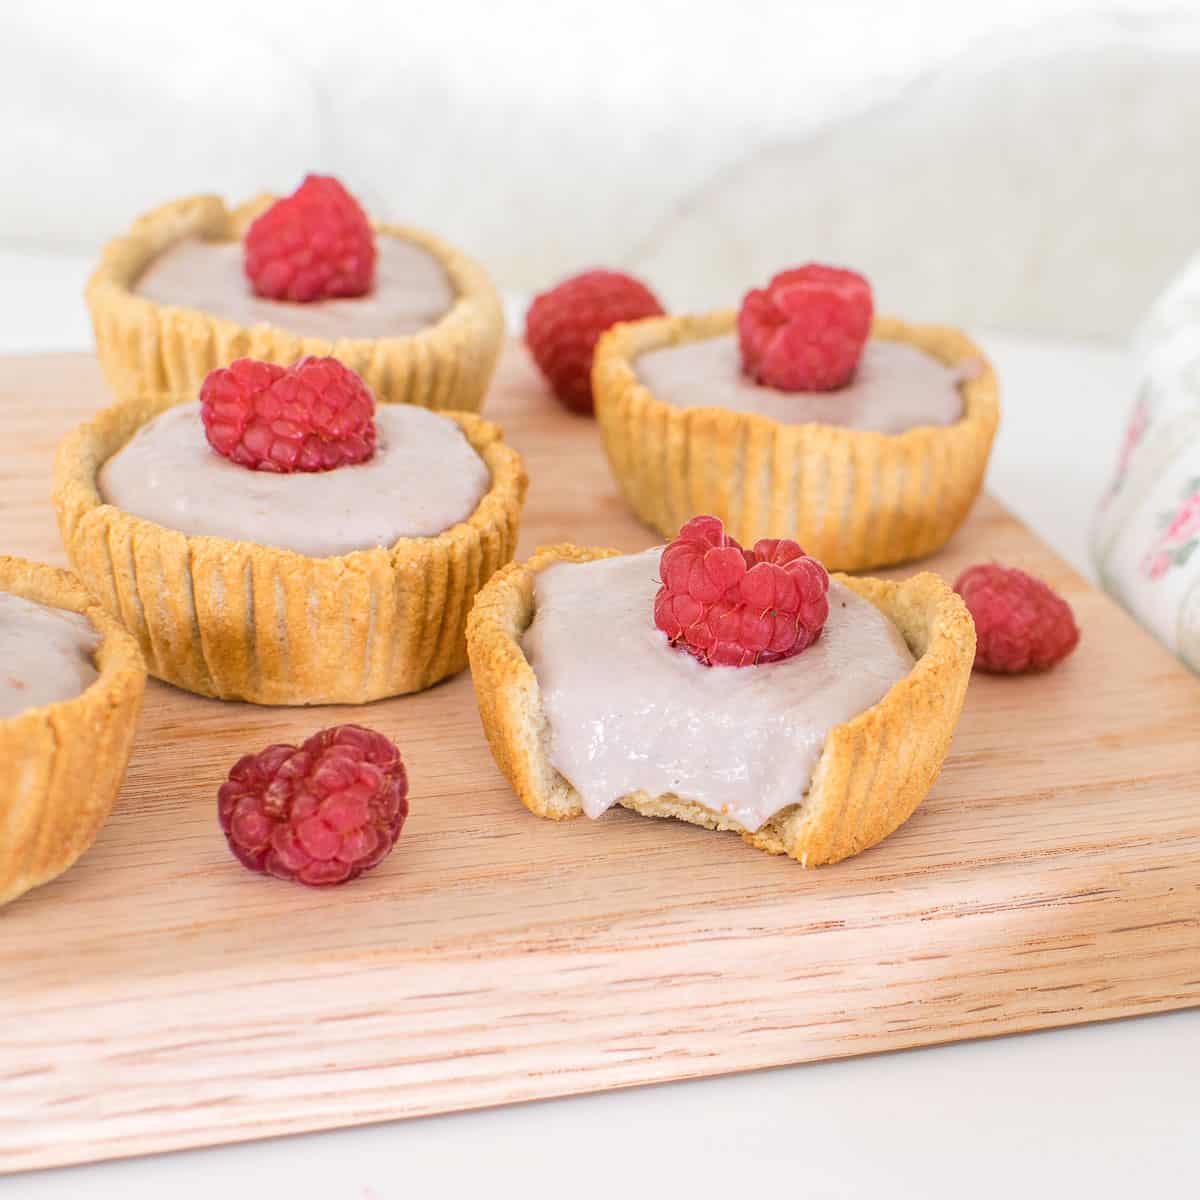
<point>564,324</point>
<point>1021,623</point>
<point>320,813</point>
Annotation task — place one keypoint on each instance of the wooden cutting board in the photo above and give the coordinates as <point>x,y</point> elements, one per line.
<point>159,996</point>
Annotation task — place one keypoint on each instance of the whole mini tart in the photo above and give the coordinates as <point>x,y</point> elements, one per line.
<point>890,481</point>
<point>329,586</point>
<point>170,302</point>
<point>71,684</point>
<point>817,756</point>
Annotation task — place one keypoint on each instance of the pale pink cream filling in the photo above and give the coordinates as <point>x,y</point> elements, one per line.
<point>423,478</point>
<point>46,654</point>
<point>896,386</point>
<point>411,292</point>
<point>626,712</point>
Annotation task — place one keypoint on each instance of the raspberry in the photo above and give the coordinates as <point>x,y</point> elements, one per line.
<point>1021,623</point>
<point>312,416</point>
<point>805,331</point>
<point>564,324</point>
<point>736,608</point>
<point>312,245</point>
<point>320,813</point>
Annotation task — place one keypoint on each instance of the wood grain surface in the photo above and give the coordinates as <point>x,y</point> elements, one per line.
<point>159,996</point>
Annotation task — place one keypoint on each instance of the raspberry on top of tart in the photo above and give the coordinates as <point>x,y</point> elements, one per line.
<point>315,244</point>
<point>313,416</point>
<point>731,607</point>
<point>805,331</point>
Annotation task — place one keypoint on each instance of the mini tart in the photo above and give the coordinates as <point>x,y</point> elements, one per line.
<point>872,773</point>
<point>62,764</point>
<point>240,621</point>
<point>153,351</point>
<point>852,498</point>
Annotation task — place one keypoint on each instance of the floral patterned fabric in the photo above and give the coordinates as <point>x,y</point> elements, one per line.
<point>1146,540</point>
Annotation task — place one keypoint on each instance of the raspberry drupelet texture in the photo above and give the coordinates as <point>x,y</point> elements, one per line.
<point>564,324</point>
<point>1021,623</point>
<point>320,813</point>
<point>731,607</point>
<point>805,331</point>
<point>312,416</point>
<point>316,244</point>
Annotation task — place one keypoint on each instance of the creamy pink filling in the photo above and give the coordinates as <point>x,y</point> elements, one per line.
<point>411,292</point>
<point>46,654</point>
<point>628,713</point>
<point>896,387</point>
<point>424,477</point>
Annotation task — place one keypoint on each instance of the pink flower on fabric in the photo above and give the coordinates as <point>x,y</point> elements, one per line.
<point>1157,565</point>
<point>1179,538</point>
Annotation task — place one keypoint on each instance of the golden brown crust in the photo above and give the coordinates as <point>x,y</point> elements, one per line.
<point>241,621</point>
<point>854,499</point>
<point>62,765</point>
<point>872,773</point>
<point>156,351</point>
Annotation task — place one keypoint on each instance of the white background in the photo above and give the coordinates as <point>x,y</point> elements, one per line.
<point>1027,164</point>
<point>1027,167</point>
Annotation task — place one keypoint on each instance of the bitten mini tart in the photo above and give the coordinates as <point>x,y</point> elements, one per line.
<point>284,540</point>
<point>866,467</point>
<point>602,680</point>
<point>70,690</point>
<point>186,291</point>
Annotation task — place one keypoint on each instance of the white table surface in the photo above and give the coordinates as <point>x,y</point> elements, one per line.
<point>1098,1111</point>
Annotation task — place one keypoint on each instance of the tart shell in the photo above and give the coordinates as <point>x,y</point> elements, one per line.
<point>872,773</point>
<point>240,621</point>
<point>855,499</point>
<point>62,764</point>
<point>163,352</point>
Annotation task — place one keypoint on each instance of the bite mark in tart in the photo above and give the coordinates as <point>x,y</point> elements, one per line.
<point>818,755</point>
